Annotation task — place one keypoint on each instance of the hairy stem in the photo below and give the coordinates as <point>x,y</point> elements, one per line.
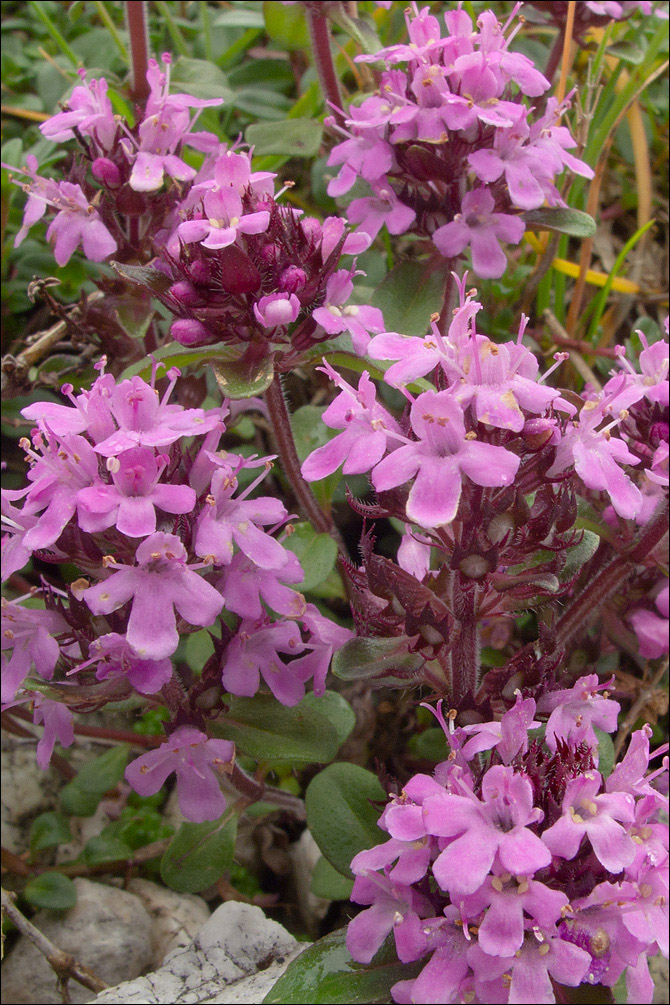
<point>319,34</point>
<point>586,605</point>
<point>283,435</point>
<point>138,36</point>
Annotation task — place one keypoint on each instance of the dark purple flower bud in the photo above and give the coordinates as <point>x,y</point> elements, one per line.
<point>185,293</point>
<point>200,272</point>
<point>106,172</point>
<point>292,279</point>
<point>270,253</point>
<point>188,331</point>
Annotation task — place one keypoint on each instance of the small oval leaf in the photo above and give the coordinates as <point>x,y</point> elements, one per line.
<point>325,974</point>
<point>52,890</point>
<point>268,731</point>
<point>361,658</point>
<point>48,830</point>
<point>317,554</point>
<point>564,220</point>
<point>199,854</point>
<point>343,804</point>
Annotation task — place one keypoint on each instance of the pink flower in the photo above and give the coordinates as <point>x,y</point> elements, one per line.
<point>223,219</point>
<point>129,503</point>
<point>576,710</point>
<point>597,457</point>
<point>89,110</point>
<point>116,658</point>
<point>144,419</point>
<point>499,824</point>
<point>195,759</point>
<point>58,727</point>
<point>254,652</point>
<point>478,226</point>
<point>28,637</point>
<point>78,223</point>
<point>226,521</point>
<point>596,816</point>
<point>335,317</point>
<point>159,583</point>
<point>366,427</point>
<point>440,458</point>
<point>244,584</point>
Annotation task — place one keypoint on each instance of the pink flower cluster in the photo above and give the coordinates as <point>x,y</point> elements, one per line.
<point>243,267</point>
<point>128,165</point>
<point>115,486</point>
<point>518,865</point>
<point>448,147</point>
<point>492,406</point>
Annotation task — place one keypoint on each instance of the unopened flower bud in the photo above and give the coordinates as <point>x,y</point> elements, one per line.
<point>188,331</point>
<point>539,432</point>
<point>106,172</point>
<point>292,279</point>
<point>474,566</point>
<point>185,293</point>
<point>499,527</point>
<point>311,228</point>
<point>277,310</point>
<point>199,271</point>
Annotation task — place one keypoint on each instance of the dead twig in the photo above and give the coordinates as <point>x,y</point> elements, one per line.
<point>63,964</point>
<point>643,698</point>
<point>16,367</point>
<point>562,338</point>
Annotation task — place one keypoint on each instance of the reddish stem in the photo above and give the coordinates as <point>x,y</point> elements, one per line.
<point>319,34</point>
<point>138,35</point>
<point>283,434</point>
<point>586,605</point>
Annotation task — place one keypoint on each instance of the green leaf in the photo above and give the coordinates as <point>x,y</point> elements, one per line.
<point>577,556</point>
<point>175,354</point>
<point>103,772</point>
<point>361,658</point>
<point>336,710</point>
<point>309,432</point>
<point>105,848</point>
<point>268,731</point>
<point>325,973</point>
<point>239,19</point>
<point>362,31</point>
<point>341,813</point>
<point>199,854</point>
<point>286,25</point>
<point>293,137</point>
<point>51,890</point>
<point>606,755</point>
<point>239,380</point>
<point>431,745</point>
<point>200,78</point>
<point>48,830</point>
<point>317,554</point>
<point>408,296</point>
<point>75,802</point>
<point>328,883</point>
<point>143,275</point>
<point>564,220</point>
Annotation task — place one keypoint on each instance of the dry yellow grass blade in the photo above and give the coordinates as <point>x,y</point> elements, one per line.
<point>593,277</point>
<point>24,113</point>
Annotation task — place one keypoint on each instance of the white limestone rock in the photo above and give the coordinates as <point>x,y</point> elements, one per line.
<point>225,958</point>
<point>176,917</point>
<point>108,930</point>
